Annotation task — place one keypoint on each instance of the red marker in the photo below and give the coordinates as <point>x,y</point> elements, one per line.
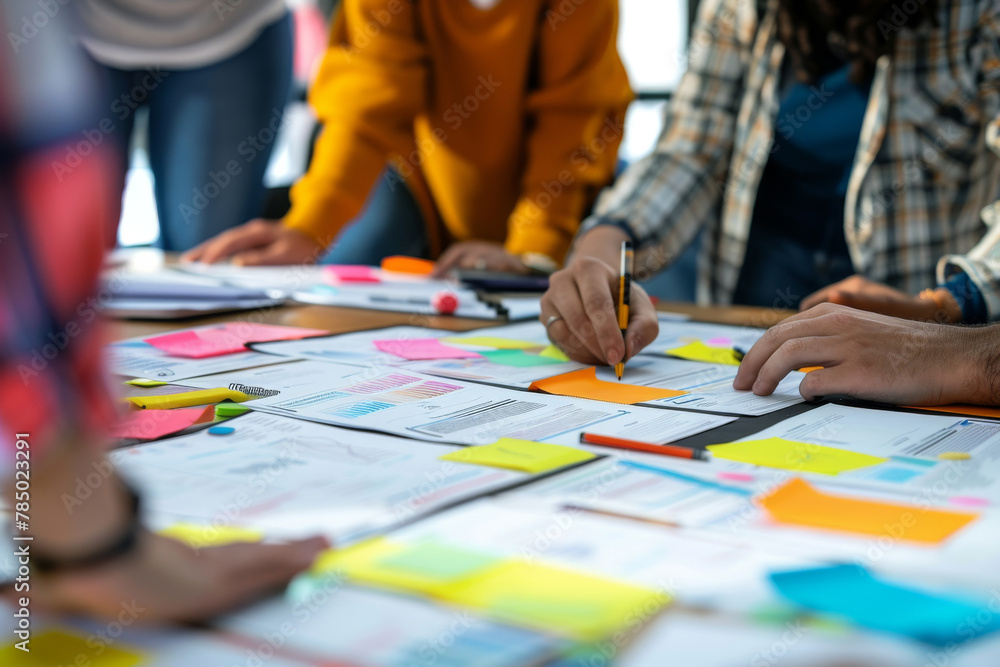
<point>634,445</point>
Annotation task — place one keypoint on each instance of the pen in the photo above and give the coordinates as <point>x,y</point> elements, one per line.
<point>624,297</point>
<point>634,445</point>
<point>739,353</point>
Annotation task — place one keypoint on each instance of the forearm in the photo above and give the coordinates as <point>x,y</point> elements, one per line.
<point>603,242</point>
<point>976,377</point>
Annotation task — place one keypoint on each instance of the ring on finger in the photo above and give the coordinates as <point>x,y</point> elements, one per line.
<point>552,320</point>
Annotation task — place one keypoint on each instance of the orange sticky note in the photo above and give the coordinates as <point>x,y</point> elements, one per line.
<point>959,409</point>
<point>584,384</point>
<point>402,264</point>
<point>799,503</point>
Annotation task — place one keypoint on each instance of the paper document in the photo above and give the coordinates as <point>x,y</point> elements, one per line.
<point>135,358</point>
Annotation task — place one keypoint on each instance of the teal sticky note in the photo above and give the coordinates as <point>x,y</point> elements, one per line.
<point>519,359</point>
<point>437,561</point>
<point>852,592</point>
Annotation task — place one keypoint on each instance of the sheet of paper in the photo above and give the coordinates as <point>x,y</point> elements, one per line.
<point>402,402</point>
<point>796,456</point>
<point>699,351</point>
<point>423,349</point>
<point>291,478</point>
<point>343,624</point>
<point>355,349</point>
<point>611,487</point>
<point>153,424</point>
<point>585,384</point>
<point>800,504</point>
<point>135,358</point>
<point>523,455</point>
<point>280,279</point>
<point>912,444</point>
<point>227,338</point>
<point>675,334</point>
<point>851,591</point>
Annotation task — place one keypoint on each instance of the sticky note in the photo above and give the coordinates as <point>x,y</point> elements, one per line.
<point>221,430</point>
<point>698,351</point>
<point>792,455</point>
<point>490,341</point>
<point>423,349</point>
<point>954,456</point>
<point>144,383</point>
<point>188,398</point>
<point>412,265</point>
<point>799,503</point>
<point>198,536</point>
<point>230,409</point>
<point>584,384</point>
<point>553,352</point>
<point>576,604</point>
<point>852,592</point>
<point>152,424</point>
<point>55,647</point>
<point>959,409</point>
<point>227,338</point>
<point>425,567</point>
<point>519,359</point>
<point>523,455</point>
<point>351,273</point>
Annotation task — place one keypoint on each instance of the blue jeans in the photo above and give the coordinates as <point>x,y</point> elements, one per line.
<point>391,223</point>
<point>211,131</point>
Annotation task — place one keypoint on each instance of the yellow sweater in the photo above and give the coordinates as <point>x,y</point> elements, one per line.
<point>505,122</point>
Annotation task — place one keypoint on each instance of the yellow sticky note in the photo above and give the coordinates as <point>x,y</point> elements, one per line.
<point>492,341</point>
<point>799,503</point>
<point>142,382</point>
<point>553,352</point>
<point>189,398</point>
<point>576,604</point>
<point>198,536</point>
<point>698,351</point>
<point>792,455</point>
<point>584,384</point>
<point>55,647</point>
<point>426,567</point>
<point>523,455</point>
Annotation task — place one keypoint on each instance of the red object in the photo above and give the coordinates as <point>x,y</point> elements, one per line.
<point>445,303</point>
<point>665,450</point>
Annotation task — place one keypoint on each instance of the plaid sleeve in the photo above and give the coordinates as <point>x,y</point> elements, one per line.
<point>663,200</point>
<point>982,263</point>
<point>55,222</point>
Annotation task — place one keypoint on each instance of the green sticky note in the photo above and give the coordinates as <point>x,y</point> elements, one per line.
<point>230,410</point>
<point>698,351</point>
<point>492,341</point>
<point>553,352</point>
<point>518,359</point>
<point>55,647</point>
<point>142,382</point>
<point>437,561</point>
<point>796,456</point>
<point>522,455</point>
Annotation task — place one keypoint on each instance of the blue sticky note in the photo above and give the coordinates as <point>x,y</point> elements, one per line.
<point>852,592</point>
<point>221,430</point>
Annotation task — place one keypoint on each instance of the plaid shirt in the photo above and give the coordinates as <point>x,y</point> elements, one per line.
<point>922,172</point>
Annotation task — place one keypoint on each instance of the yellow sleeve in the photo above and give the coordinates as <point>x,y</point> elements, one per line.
<point>371,85</point>
<point>576,113</point>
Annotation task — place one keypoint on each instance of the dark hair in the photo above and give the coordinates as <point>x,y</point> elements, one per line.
<point>821,35</point>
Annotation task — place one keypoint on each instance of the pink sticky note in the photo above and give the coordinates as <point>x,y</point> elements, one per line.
<point>423,349</point>
<point>152,424</point>
<point>351,273</point>
<point>225,339</point>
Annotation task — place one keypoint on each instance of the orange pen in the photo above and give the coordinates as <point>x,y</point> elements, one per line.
<point>624,297</point>
<point>635,445</point>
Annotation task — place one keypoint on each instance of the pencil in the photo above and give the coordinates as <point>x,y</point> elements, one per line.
<point>624,298</point>
<point>634,445</point>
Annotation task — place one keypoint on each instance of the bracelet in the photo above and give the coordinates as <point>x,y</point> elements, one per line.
<point>120,545</point>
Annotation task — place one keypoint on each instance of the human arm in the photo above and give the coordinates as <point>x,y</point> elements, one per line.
<point>875,357</point>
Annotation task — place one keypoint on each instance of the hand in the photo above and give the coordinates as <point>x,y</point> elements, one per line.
<point>583,296</point>
<point>257,242</point>
<point>863,294</point>
<point>481,255</point>
<point>875,357</point>
<point>165,580</point>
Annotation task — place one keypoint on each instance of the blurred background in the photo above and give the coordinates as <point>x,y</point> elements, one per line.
<point>652,39</point>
